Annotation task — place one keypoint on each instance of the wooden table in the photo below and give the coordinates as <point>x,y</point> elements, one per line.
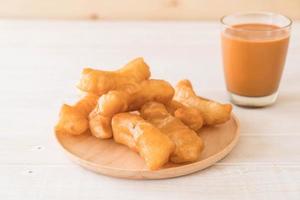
<point>40,64</point>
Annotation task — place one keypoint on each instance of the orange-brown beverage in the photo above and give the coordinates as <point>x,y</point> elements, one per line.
<point>253,57</point>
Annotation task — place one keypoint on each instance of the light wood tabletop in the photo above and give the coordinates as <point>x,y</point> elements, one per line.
<point>40,64</point>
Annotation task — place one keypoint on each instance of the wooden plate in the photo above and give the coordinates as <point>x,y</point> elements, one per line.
<point>112,159</point>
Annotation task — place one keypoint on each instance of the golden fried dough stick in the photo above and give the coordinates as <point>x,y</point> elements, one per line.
<point>129,98</point>
<point>100,126</point>
<point>100,82</point>
<point>212,112</point>
<point>133,131</point>
<point>74,119</point>
<point>133,96</point>
<point>191,117</point>
<point>188,144</point>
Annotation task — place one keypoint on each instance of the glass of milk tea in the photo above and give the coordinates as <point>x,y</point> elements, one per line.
<point>254,47</point>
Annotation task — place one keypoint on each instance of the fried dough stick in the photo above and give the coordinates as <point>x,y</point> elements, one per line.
<point>100,82</point>
<point>191,117</point>
<point>212,112</point>
<point>74,119</point>
<point>188,144</point>
<point>141,136</point>
<point>130,98</point>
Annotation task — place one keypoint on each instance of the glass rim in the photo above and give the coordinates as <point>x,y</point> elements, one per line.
<point>289,24</point>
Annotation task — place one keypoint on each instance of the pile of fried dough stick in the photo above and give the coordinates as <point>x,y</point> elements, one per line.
<point>163,125</point>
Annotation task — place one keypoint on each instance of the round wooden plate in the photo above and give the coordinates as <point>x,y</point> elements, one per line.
<point>112,159</point>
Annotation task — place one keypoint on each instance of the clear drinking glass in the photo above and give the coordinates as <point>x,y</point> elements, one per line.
<point>254,47</point>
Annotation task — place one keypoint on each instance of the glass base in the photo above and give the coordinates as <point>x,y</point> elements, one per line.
<point>253,101</point>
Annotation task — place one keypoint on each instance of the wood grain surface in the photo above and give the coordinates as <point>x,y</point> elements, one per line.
<point>39,67</point>
<point>141,9</point>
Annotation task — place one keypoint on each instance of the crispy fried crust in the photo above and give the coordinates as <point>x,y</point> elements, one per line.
<point>100,82</point>
<point>129,98</point>
<point>213,112</point>
<point>191,117</point>
<point>74,119</point>
<point>133,131</point>
<point>188,144</point>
